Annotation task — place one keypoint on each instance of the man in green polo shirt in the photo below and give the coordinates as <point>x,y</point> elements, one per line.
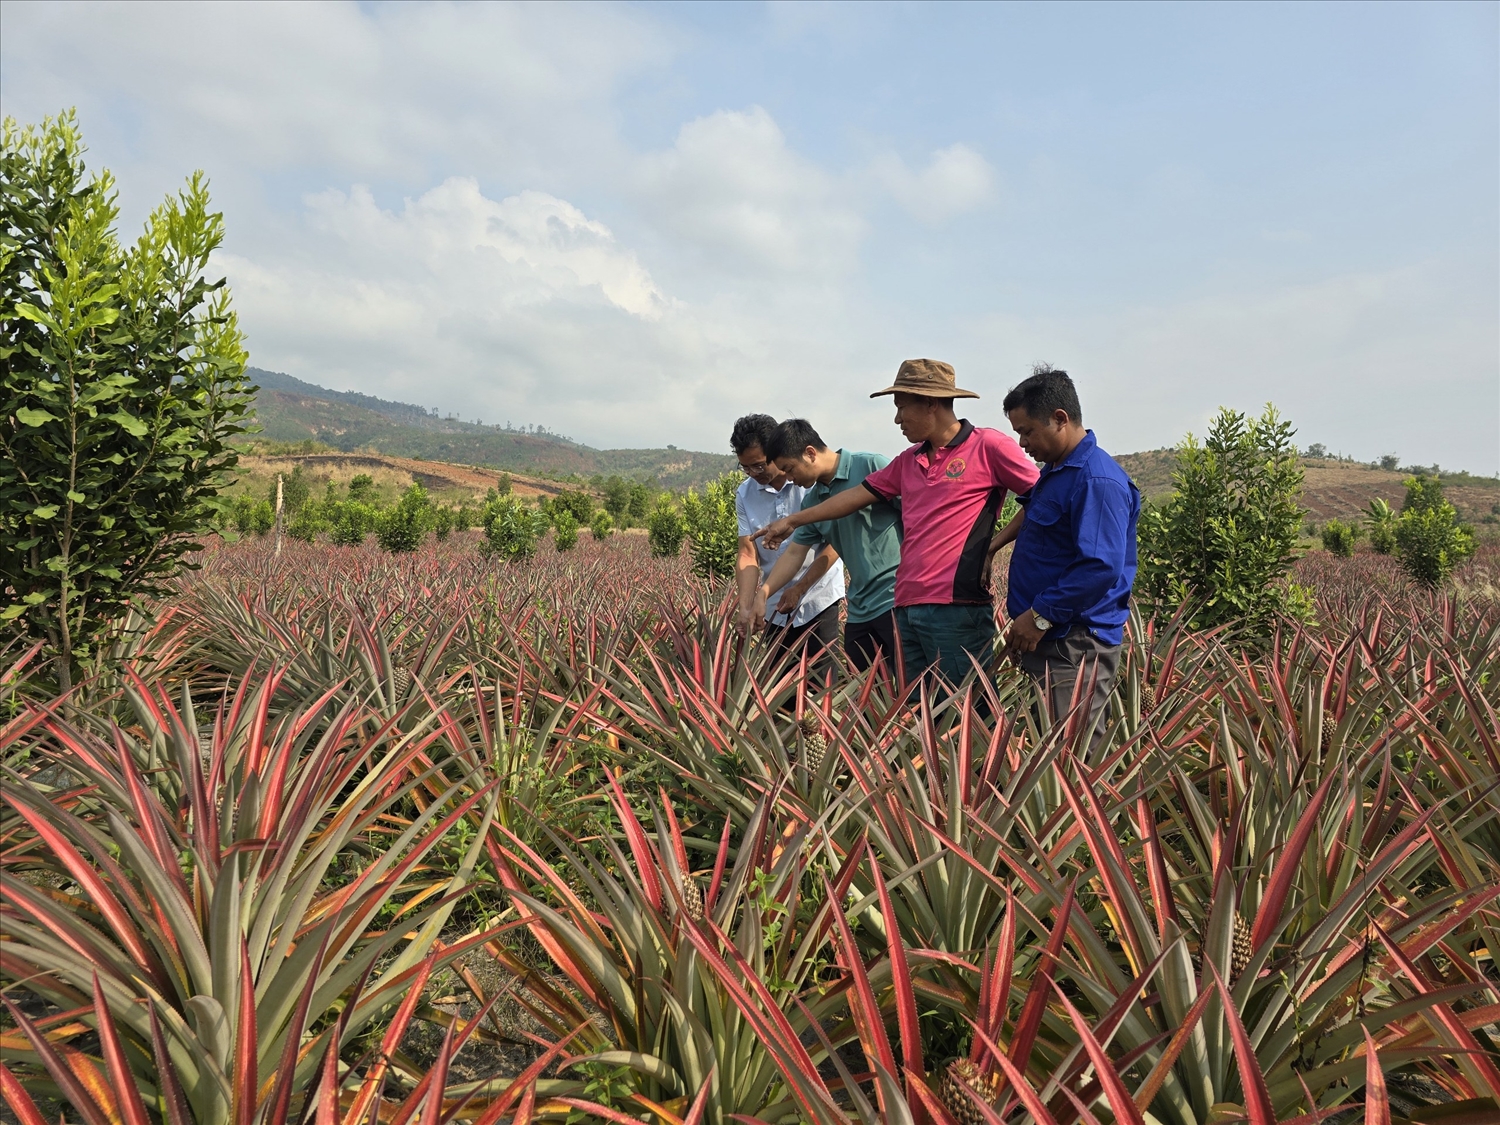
<point>868,542</point>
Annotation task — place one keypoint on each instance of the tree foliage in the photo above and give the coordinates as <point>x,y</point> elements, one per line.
<point>123,385</point>
<point>665,529</point>
<point>1382,526</point>
<point>1224,543</point>
<point>1430,540</point>
<point>712,528</point>
<point>510,529</point>
<point>1339,537</point>
<point>403,527</point>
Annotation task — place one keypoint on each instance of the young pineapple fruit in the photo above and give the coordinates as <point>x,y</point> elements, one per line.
<point>401,680</point>
<point>692,898</point>
<point>815,746</point>
<point>1239,956</point>
<point>1325,736</point>
<point>963,1075</point>
<point>1239,953</point>
<point>1148,700</point>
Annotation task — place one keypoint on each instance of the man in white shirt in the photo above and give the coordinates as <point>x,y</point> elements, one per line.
<point>769,495</point>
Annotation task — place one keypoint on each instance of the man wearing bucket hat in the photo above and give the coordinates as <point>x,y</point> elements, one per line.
<point>952,483</point>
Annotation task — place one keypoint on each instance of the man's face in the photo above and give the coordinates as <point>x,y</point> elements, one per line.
<point>761,471</point>
<point>917,416</point>
<point>802,470</point>
<point>1043,439</point>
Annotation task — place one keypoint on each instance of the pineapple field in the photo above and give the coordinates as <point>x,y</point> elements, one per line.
<point>358,838</point>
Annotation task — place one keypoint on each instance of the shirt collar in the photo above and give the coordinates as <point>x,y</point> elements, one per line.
<point>1079,456</point>
<point>842,472</point>
<point>965,428</point>
<point>768,488</point>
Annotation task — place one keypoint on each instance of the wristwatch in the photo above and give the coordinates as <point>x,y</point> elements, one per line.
<point>1041,622</point>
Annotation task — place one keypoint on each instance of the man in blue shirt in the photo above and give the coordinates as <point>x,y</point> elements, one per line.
<point>1075,560</point>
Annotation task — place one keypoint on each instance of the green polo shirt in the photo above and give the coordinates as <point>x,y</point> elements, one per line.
<point>869,541</point>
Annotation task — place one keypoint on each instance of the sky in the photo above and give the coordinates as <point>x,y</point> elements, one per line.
<point>632,223</point>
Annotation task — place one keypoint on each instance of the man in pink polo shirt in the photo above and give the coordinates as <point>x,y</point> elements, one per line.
<point>952,483</point>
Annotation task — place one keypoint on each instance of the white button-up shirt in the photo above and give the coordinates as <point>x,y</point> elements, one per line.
<point>757,505</point>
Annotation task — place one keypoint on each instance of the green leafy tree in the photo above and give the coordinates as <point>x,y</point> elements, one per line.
<point>638,506</point>
<point>601,526</point>
<point>351,522</point>
<point>1430,540</point>
<point>251,516</point>
<point>294,491</point>
<point>443,520</point>
<point>1382,526</point>
<point>1225,542</point>
<point>362,488</point>
<point>617,499</point>
<point>565,537</point>
<point>665,529</point>
<point>510,529</point>
<point>577,503</point>
<point>1339,537</point>
<point>502,485</point>
<point>403,527</point>
<point>307,524</point>
<point>123,385</point>
<point>713,528</point>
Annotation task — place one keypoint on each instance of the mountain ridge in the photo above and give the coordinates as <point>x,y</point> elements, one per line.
<point>289,409</point>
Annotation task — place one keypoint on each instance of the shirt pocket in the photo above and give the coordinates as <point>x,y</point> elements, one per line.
<point>1047,526</point>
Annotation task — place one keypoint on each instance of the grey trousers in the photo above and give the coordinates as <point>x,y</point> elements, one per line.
<point>1063,660</point>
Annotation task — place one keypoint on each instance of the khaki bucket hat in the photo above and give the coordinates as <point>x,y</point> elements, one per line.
<point>929,377</point>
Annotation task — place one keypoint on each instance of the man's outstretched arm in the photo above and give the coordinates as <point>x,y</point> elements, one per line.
<point>846,503</point>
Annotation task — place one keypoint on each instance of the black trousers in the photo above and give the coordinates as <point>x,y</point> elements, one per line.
<point>863,640</point>
<point>820,633</point>
<point>1063,660</point>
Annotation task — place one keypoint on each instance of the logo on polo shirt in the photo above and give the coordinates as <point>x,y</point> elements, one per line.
<point>955,468</point>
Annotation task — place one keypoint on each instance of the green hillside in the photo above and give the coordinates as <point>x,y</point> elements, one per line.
<point>289,410</point>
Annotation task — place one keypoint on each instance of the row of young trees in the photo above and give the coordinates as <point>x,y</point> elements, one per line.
<point>1426,535</point>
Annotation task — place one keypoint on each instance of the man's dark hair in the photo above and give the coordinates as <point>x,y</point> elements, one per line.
<point>752,429</point>
<point>791,438</point>
<point>1047,390</point>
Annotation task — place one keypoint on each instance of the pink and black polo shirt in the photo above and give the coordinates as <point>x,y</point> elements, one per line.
<point>950,498</point>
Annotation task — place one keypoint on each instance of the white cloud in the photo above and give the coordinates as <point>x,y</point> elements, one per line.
<point>1350,360</point>
<point>956,179</point>
<point>732,186</point>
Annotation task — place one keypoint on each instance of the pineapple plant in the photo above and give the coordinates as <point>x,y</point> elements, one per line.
<point>692,898</point>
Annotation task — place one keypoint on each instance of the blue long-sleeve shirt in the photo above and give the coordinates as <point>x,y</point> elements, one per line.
<point>1074,561</point>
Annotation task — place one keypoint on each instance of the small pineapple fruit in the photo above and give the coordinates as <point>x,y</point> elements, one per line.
<point>401,680</point>
<point>1239,957</point>
<point>1148,700</point>
<point>1325,736</point>
<point>815,746</point>
<point>963,1075</point>
<point>692,898</point>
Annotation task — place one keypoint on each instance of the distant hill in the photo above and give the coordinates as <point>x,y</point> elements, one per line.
<point>290,410</point>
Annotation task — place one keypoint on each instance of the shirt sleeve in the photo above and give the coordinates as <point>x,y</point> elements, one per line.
<point>1101,521</point>
<point>1010,468</point>
<point>742,516</point>
<point>886,482</point>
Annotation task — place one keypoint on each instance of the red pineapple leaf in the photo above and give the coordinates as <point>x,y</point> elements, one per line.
<point>1268,917</point>
<point>246,1044</point>
<point>171,1088</point>
<point>1114,1086</point>
<point>906,1001</point>
<point>994,988</point>
<point>132,1109</point>
<point>1377,1101</point>
<point>1252,1080</point>
<point>18,1099</point>
<point>67,1081</point>
<point>862,1003</point>
<point>1473,1059</point>
<point>1030,1021</point>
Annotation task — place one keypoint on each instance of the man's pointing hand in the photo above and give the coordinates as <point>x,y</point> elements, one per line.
<point>775,533</point>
